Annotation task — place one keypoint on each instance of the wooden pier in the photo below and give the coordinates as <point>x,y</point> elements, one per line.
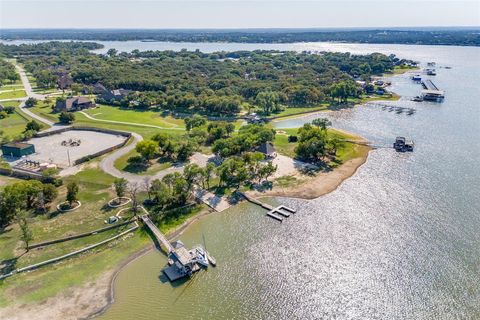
<point>162,240</point>
<point>277,213</point>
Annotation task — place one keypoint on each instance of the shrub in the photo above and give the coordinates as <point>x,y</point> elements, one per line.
<point>292,138</point>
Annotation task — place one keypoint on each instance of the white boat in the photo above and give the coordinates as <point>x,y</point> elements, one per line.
<point>201,257</point>
<point>416,77</point>
<point>211,259</point>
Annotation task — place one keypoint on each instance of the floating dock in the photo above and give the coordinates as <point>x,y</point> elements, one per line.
<point>277,213</point>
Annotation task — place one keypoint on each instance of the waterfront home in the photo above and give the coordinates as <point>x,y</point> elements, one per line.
<point>73,104</point>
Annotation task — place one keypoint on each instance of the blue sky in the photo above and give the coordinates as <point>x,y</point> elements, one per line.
<point>236,14</point>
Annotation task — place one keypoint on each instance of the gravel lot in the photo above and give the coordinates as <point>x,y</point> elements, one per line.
<point>50,149</point>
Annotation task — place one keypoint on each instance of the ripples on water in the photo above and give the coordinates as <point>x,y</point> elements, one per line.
<point>399,240</point>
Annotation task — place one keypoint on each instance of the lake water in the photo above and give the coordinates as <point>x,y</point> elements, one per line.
<point>398,240</point>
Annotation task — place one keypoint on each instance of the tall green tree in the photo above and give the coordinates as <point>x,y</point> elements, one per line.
<point>146,148</point>
<point>72,193</point>
<point>26,234</point>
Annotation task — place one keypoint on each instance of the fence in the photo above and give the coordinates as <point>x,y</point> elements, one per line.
<point>78,236</point>
<point>93,155</point>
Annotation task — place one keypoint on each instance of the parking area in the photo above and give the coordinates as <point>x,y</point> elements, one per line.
<point>63,149</point>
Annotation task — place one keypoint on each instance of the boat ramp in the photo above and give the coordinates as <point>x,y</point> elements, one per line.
<point>277,213</point>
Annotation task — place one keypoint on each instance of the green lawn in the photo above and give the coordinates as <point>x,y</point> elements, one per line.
<point>402,69</point>
<point>14,124</point>
<point>44,109</point>
<point>300,110</point>
<point>13,94</point>
<point>149,117</point>
<point>46,90</point>
<point>146,132</point>
<point>11,86</point>
<point>346,152</point>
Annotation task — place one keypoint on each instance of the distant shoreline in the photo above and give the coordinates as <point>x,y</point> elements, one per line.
<point>460,36</point>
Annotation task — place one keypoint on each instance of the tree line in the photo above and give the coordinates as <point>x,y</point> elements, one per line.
<point>463,37</point>
<point>220,83</point>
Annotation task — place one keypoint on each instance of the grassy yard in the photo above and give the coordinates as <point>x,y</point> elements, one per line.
<point>95,191</point>
<point>300,110</point>
<point>44,109</point>
<point>344,153</point>
<point>7,94</point>
<point>150,117</point>
<point>14,124</point>
<point>146,132</point>
<point>403,68</point>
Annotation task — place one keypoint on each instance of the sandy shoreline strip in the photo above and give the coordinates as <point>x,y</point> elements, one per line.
<point>95,297</point>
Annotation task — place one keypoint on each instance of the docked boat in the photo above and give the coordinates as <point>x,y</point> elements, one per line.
<point>431,72</point>
<point>211,259</point>
<point>201,257</point>
<point>417,99</point>
<point>402,145</point>
<point>417,78</point>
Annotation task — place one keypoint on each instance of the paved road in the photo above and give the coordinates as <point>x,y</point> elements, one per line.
<point>28,89</point>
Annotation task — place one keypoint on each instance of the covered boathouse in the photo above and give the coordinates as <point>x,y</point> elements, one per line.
<point>17,149</point>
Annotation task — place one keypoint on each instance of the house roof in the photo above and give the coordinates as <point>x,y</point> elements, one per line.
<point>99,88</point>
<point>266,148</point>
<point>182,255</point>
<point>71,101</point>
<point>18,145</point>
<point>120,92</point>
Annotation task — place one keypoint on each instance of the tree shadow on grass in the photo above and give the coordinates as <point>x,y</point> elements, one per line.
<point>9,265</point>
<point>138,168</point>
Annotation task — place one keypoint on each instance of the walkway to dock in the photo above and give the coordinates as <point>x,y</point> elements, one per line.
<point>162,240</point>
<point>215,202</point>
<point>278,213</point>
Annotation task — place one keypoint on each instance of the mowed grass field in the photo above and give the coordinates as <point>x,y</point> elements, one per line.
<point>149,117</point>
<point>14,124</point>
<point>13,93</point>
